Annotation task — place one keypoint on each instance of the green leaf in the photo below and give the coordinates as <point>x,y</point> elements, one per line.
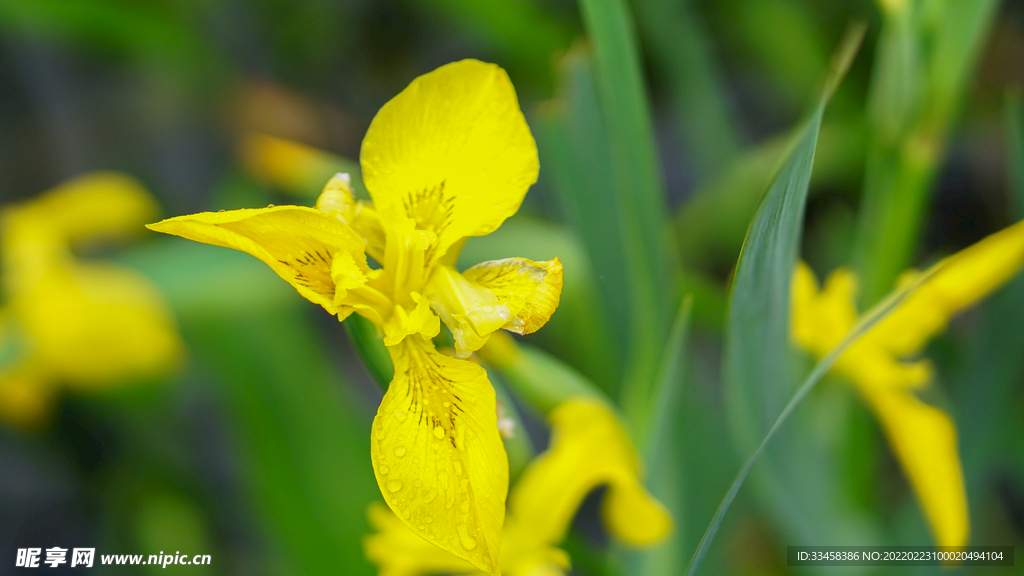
<point>868,321</point>
<point>306,448</point>
<point>925,57</point>
<point>370,348</point>
<point>679,45</point>
<point>796,484</point>
<point>1015,137</point>
<point>647,408</point>
<point>651,265</point>
<point>574,151</point>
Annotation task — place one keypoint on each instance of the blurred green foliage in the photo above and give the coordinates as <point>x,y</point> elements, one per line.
<point>662,128</point>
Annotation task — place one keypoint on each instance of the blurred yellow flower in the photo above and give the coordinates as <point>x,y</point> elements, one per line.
<point>70,322</point>
<point>450,157</point>
<point>883,367</point>
<point>588,448</point>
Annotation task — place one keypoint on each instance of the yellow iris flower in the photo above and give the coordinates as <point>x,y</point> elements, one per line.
<point>883,366</point>
<point>588,448</point>
<point>66,321</point>
<point>450,157</point>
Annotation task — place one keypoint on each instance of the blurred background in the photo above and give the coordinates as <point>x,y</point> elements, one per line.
<point>253,447</point>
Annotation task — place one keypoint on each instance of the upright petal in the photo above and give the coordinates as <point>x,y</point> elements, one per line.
<point>924,440</point>
<point>959,282</point>
<point>588,448</point>
<point>452,151</point>
<point>437,455</point>
<point>298,243</point>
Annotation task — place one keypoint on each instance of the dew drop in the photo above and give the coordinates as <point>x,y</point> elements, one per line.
<point>428,498</point>
<point>400,451</point>
<point>394,486</point>
<point>384,469</point>
<point>468,542</point>
<point>400,415</point>
<point>429,519</point>
<point>407,514</point>
<point>458,468</point>
<point>438,432</point>
<point>464,507</point>
<point>416,483</point>
<point>446,404</point>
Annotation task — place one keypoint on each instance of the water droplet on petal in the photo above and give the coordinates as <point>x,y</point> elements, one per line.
<point>384,469</point>
<point>458,468</point>
<point>400,451</point>
<point>438,432</point>
<point>400,415</point>
<point>468,542</point>
<point>428,498</point>
<point>394,486</point>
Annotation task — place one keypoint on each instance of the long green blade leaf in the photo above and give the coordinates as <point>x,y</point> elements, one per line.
<point>757,354</point>
<point>651,266</point>
<point>863,326</point>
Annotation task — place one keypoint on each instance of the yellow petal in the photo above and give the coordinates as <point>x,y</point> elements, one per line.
<point>530,289</point>
<point>99,204</point>
<point>960,281</point>
<point>437,455</point>
<point>925,442</point>
<point>452,151</point>
<point>421,321</point>
<point>288,165</point>
<point>95,325</point>
<point>588,448</point>
<point>469,310</point>
<point>398,551</point>
<point>298,243</point>
<point>820,320</point>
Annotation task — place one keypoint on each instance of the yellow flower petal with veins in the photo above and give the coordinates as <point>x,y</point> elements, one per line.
<point>589,447</point>
<point>298,243</point>
<point>452,151</point>
<point>437,455</point>
<point>530,289</point>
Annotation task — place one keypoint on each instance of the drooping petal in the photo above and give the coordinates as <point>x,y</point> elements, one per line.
<point>437,455</point>
<point>452,151</point>
<point>588,448</point>
<point>398,551</point>
<point>959,282</point>
<point>298,243</point>
<point>530,289</point>
<point>925,442</point>
<point>96,325</point>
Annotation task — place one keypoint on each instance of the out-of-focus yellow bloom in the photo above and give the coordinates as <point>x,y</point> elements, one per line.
<point>588,448</point>
<point>450,157</point>
<point>66,321</point>
<point>883,366</point>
